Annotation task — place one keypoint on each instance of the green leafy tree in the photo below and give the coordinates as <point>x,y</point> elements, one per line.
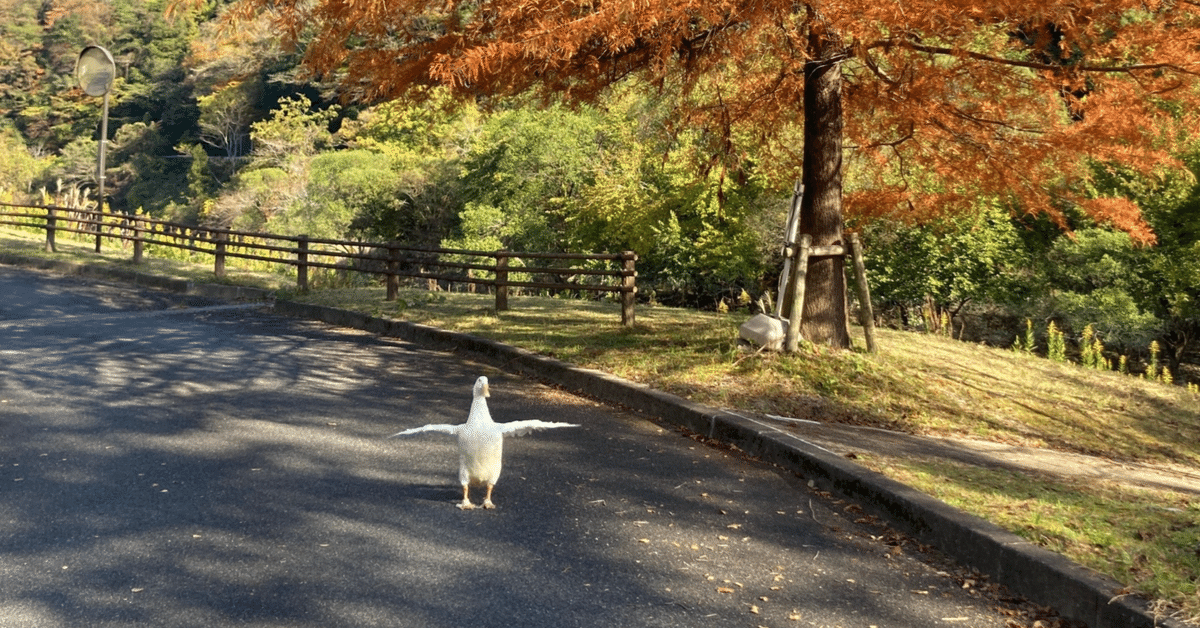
<point>253,198</point>
<point>426,146</point>
<point>19,169</point>
<point>607,179</point>
<point>528,165</point>
<point>346,191</point>
<point>259,195</point>
<point>225,118</point>
<point>293,134</point>
<point>1093,276</point>
<point>1162,277</point>
<point>947,263</point>
<point>20,74</point>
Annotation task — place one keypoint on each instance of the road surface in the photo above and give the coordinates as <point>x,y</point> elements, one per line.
<point>170,462</point>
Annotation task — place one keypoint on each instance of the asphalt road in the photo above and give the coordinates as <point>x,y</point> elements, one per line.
<point>166,462</point>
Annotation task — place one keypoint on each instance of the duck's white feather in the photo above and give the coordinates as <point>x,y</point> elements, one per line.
<point>437,427</point>
<point>521,428</point>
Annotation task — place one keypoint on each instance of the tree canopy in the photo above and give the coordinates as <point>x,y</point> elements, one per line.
<point>947,100</point>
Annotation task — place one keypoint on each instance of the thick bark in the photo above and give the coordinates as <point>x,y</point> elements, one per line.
<point>825,320</point>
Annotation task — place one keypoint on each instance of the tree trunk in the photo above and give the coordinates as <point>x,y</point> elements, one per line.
<point>824,320</point>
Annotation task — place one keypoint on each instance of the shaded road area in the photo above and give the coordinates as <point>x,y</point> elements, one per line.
<point>166,462</point>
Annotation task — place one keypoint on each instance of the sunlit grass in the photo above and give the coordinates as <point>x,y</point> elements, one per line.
<point>182,265</point>
<point>917,383</point>
<point>1148,540</point>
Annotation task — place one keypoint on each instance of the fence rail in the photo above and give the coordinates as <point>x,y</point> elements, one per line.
<point>498,271</point>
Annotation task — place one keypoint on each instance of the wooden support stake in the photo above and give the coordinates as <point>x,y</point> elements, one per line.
<point>799,271</point>
<point>866,315</point>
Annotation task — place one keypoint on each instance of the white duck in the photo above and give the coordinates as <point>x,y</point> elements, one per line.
<point>481,443</point>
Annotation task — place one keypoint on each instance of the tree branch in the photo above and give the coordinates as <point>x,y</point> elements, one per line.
<point>908,135</point>
<point>941,50</point>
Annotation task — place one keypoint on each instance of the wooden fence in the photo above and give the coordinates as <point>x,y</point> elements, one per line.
<point>497,270</point>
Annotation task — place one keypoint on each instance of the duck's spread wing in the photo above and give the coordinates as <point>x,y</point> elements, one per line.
<point>433,427</point>
<point>520,428</point>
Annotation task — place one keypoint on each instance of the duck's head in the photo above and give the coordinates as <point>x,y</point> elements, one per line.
<point>481,387</point>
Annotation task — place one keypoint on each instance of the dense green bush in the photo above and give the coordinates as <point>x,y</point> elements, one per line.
<point>945,264</point>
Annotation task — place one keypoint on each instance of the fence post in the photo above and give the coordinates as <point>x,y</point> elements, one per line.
<point>219,255</point>
<point>393,266</point>
<point>137,240</point>
<point>501,280</point>
<point>799,271</point>
<point>50,220</point>
<point>628,287</point>
<point>302,263</point>
<point>99,224</point>
<point>865,314</point>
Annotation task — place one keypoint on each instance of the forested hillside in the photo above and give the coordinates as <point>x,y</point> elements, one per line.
<point>220,126</point>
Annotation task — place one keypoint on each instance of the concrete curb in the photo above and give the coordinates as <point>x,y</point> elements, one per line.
<point>1040,575</point>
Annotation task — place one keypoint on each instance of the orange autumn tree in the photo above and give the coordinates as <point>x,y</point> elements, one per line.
<point>952,100</point>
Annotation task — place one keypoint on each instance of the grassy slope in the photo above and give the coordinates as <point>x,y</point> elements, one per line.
<point>1148,540</point>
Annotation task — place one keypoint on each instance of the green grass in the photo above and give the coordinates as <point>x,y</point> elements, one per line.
<point>1148,540</point>
<point>917,383</point>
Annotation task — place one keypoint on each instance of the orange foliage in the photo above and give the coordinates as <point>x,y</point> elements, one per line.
<point>55,10</point>
<point>1003,98</point>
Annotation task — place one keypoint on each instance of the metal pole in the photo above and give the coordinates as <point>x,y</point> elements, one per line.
<point>103,149</point>
<point>100,172</point>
